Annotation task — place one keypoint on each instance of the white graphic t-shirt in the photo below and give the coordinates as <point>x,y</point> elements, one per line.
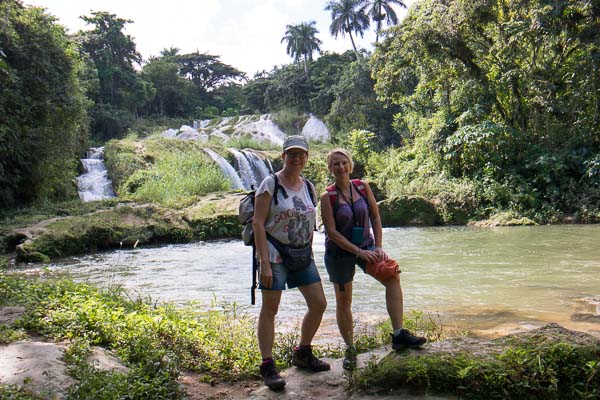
<point>292,221</point>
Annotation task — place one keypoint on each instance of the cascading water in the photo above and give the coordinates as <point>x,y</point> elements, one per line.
<point>94,183</point>
<point>248,178</point>
<point>236,182</point>
<point>316,130</point>
<point>259,168</point>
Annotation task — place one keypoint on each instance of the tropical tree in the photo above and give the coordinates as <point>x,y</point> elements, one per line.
<point>302,42</point>
<point>207,71</point>
<point>380,10</point>
<point>346,17</point>
<point>43,123</point>
<point>120,92</point>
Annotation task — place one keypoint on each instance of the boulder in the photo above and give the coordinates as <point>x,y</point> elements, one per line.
<point>408,211</point>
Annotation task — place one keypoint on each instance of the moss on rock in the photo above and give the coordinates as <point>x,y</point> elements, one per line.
<point>547,363</point>
<point>127,224</point>
<point>506,218</point>
<point>408,210</point>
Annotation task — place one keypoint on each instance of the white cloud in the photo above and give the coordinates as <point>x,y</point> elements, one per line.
<point>245,33</point>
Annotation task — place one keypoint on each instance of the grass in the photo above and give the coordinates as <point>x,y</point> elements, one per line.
<point>529,369</point>
<point>248,142</point>
<point>157,341</point>
<point>176,180</point>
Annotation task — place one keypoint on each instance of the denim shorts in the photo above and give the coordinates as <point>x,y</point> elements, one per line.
<point>341,267</point>
<point>293,279</point>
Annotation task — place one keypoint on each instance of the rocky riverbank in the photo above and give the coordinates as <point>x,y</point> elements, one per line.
<point>454,367</point>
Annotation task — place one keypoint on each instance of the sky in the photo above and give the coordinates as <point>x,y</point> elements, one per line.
<point>245,34</point>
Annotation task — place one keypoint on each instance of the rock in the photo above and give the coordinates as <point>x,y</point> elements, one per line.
<point>125,225</point>
<point>436,364</point>
<point>104,360</point>
<point>508,218</point>
<point>583,316</point>
<point>38,366</point>
<point>9,314</point>
<point>408,210</point>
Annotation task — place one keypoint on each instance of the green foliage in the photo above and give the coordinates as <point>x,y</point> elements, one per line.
<point>527,370</point>
<point>156,341</point>
<point>359,142</point>
<point>289,120</point>
<point>178,172</point>
<point>9,335</point>
<point>506,102</point>
<point>120,93</point>
<point>15,393</point>
<point>249,142</point>
<point>175,95</point>
<point>44,126</point>
<point>356,107</point>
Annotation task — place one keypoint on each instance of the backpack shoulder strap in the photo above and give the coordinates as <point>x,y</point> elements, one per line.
<point>278,188</point>
<point>362,189</point>
<point>360,185</point>
<point>333,195</point>
<point>311,191</point>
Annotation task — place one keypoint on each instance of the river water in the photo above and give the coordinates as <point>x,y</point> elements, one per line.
<point>488,281</point>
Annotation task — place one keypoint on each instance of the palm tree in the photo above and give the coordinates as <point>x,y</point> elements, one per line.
<point>380,10</point>
<point>302,42</point>
<point>347,17</point>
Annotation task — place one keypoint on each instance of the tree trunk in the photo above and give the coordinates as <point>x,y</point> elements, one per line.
<point>354,46</point>
<point>305,66</point>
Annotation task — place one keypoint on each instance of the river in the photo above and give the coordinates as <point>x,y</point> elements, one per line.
<point>488,281</point>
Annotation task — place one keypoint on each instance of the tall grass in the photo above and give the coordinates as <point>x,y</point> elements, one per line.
<point>249,142</point>
<point>176,179</point>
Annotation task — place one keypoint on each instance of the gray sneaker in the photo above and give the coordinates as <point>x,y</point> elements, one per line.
<point>350,361</point>
<point>405,339</point>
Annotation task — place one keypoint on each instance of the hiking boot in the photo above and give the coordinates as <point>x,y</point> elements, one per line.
<point>272,379</point>
<point>350,361</point>
<point>304,358</point>
<point>405,339</point>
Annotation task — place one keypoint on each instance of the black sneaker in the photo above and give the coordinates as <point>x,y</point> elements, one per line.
<point>405,339</point>
<point>272,379</point>
<point>350,361</point>
<point>304,358</point>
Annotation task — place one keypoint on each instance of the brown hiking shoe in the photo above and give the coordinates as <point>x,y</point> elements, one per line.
<point>304,358</point>
<point>272,378</point>
<point>405,339</point>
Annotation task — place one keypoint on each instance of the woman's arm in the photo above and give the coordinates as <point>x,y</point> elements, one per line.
<point>375,222</point>
<point>262,204</point>
<point>333,234</point>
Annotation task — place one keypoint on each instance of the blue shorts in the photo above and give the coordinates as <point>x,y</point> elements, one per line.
<point>293,279</point>
<point>341,267</point>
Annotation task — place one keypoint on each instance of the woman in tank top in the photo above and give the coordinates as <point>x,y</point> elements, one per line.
<point>349,212</point>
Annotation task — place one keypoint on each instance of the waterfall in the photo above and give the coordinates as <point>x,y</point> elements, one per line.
<point>315,130</point>
<point>258,165</point>
<point>245,169</point>
<point>236,182</point>
<point>94,184</point>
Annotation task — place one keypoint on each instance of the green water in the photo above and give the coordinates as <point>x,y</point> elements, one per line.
<point>485,280</point>
<point>496,279</point>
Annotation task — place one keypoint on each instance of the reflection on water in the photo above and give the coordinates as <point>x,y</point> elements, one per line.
<point>487,280</point>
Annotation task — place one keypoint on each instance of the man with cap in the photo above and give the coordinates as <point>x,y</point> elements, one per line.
<point>280,224</point>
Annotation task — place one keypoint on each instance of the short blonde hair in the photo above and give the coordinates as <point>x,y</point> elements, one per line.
<point>342,152</point>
